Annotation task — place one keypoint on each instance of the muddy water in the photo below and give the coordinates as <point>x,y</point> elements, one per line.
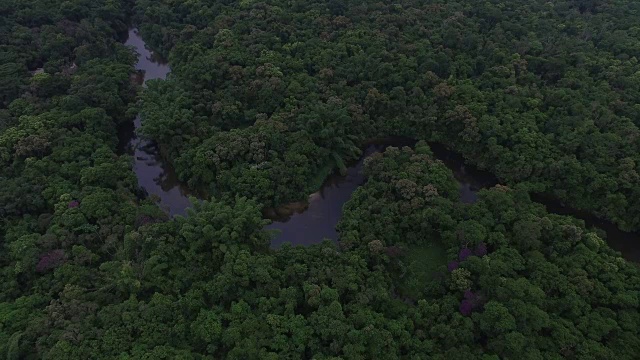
<point>156,176</point>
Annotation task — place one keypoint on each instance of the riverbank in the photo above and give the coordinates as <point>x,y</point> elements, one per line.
<point>317,216</point>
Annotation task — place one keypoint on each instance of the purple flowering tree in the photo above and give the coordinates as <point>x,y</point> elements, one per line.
<point>452,265</point>
<point>470,302</point>
<point>481,249</point>
<point>50,260</point>
<point>465,252</point>
<point>466,307</point>
<point>469,295</point>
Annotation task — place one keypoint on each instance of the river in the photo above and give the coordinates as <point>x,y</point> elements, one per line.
<point>156,176</point>
<point>314,220</point>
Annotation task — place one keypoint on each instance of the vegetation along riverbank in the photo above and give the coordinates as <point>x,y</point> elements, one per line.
<point>429,257</point>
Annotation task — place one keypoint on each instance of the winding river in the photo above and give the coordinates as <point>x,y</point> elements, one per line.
<point>314,220</point>
<point>156,176</point>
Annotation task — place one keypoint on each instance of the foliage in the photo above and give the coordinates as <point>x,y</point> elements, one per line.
<point>264,97</point>
<point>543,94</point>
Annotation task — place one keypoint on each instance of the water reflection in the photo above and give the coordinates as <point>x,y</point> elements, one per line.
<point>315,221</point>
<point>471,180</point>
<point>627,243</point>
<point>156,176</point>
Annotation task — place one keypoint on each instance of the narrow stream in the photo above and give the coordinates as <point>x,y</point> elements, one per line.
<point>155,176</point>
<point>310,222</point>
<point>471,180</point>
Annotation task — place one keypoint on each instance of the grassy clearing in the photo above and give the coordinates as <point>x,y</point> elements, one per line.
<point>423,263</point>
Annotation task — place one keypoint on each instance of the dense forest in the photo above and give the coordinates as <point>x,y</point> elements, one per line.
<point>265,99</point>
<point>543,94</point>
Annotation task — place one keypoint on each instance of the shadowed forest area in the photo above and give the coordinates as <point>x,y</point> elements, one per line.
<point>263,102</point>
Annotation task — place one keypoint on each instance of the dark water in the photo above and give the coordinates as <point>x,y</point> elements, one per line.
<point>313,223</point>
<point>627,243</point>
<point>316,219</point>
<point>471,180</point>
<point>156,176</point>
